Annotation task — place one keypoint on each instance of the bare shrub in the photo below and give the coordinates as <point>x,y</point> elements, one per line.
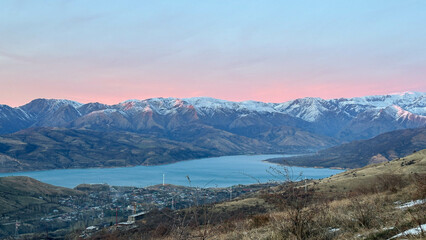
<point>364,213</point>
<point>389,182</point>
<point>259,220</point>
<point>305,215</point>
<point>419,181</point>
<point>381,183</point>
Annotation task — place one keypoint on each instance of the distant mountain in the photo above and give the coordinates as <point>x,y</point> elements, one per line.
<point>344,119</point>
<point>384,147</point>
<point>375,121</point>
<point>13,119</point>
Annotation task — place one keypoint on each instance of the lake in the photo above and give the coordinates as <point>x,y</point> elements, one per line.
<point>206,172</point>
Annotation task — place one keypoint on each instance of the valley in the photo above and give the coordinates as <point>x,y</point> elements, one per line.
<point>56,134</point>
<point>212,120</point>
<point>377,201</point>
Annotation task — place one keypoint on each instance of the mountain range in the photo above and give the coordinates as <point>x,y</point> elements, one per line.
<point>201,126</point>
<point>404,110</point>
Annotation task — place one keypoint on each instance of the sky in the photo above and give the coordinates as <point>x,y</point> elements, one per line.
<point>272,51</point>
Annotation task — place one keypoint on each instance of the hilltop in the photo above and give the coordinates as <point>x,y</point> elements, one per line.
<point>21,193</point>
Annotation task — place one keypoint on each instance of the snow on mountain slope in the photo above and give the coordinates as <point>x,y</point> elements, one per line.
<point>333,112</point>
<point>402,115</point>
<point>308,109</point>
<point>311,109</point>
<point>414,102</point>
<point>90,107</point>
<point>208,106</point>
<point>162,106</point>
<point>40,107</point>
<point>13,119</point>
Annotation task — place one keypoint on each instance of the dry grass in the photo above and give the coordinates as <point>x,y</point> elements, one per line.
<point>371,216</point>
<point>237,204</point>
<point>368,176</point>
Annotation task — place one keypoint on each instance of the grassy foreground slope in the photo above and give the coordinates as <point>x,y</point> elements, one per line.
<point>375,202</point>
<point>395,172</point>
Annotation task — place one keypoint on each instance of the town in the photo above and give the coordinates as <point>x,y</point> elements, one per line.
<point>102,206</point>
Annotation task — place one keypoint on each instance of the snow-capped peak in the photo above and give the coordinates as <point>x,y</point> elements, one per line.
<point>44,106</point>
<point>309,109</point>
<point>407,93</point>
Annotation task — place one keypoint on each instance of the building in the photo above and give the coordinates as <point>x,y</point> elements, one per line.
<point>136,217</point>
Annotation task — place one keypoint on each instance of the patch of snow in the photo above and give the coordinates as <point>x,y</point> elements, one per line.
<point>91,228</point>
<point>411,204</point>
<point>147,109</point>
<point>412,231</point>
<point>387,228</point>
<point>69,102</point>
<point>108,111</point>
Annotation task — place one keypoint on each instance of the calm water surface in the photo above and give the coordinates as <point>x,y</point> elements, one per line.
<point>206,172</point>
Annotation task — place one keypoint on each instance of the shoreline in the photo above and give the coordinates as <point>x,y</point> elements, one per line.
<point>152,165</point>
<point>302,166</point>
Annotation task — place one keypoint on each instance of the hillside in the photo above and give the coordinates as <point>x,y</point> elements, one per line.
<point>379,173</point>
<point>384,147</point>
<point>25,195</point>
<point>53,148</point>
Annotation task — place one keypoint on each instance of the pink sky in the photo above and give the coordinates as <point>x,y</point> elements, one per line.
<point>109,52</point>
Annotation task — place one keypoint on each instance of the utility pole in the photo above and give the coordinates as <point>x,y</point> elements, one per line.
<point>17,224</point>
<point>116,216</point>
<point>164,175</point>
<point>306,187</point>
<point>134,207</point>
<point>173,203</point>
